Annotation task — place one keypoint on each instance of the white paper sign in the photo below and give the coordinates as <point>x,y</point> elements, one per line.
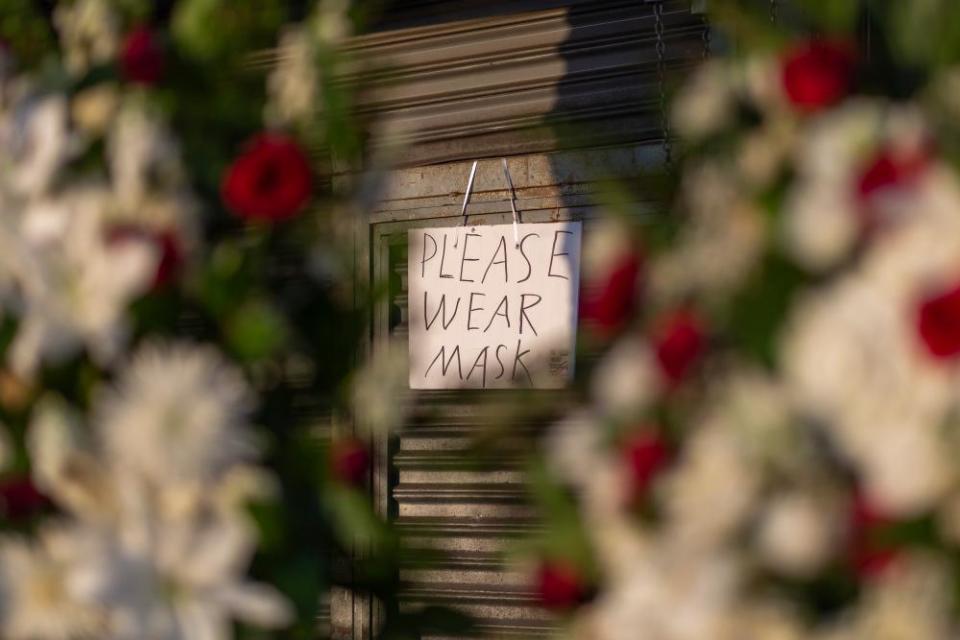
<point>488,312</point>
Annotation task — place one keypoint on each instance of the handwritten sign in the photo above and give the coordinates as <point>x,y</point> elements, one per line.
<point>491,309</point>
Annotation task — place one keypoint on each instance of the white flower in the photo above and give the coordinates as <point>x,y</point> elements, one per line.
<point>798,532</point>
<point>712,491</point>
<point>574,448</point>
<point>921,251</point>
<point>626,379</point>
<point>757,619</point>
<point>179,578</point>
<point>177,415</point>
<point>293,84</point>
<point>671,595</point>
<point>75,284</point>
<point>753,406</point>
<point>910,602</point>
<point>820,218</point>
<point>721,241</point>
<point>331,23</point>
<point>88,33</point>
<point>835,145</point>
<point>606,244</point>
<point>64,462</point>
<point>820,224</point>
<point>93,108</point>
<point>381,395</point>
<point>143,157</point>
<point>764,151</point>
<point>852,361</point>
<point>37,600</point>
<point>706,103</point>
<point>34,144</point>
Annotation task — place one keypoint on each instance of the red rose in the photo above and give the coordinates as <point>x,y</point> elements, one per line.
<point>167,244</point>
<point>891,170</point>
<point>20,499</point>
<point>269,181</point>
<point>938,323</point>
<point>679,345</point>
<point>818,73</point>
<point>559,586</point>
<point>869,555</point>
<point>606,305</point>
<point>645,455</point>
<point>349,461</point>
<point>141,58</point>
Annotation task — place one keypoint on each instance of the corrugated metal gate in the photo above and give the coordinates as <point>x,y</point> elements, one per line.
<point>482,88</point>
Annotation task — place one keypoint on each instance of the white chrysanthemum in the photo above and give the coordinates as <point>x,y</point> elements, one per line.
<point>177,415</point>
<point>175,578</point>
<point>89,33</point>
<point>798,532</point>
<point>37,599</point>
<point>34,144</point>
<point>75,284</point>
<point>63,461</point>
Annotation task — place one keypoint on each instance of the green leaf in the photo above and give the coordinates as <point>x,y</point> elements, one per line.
<point>355,521</point>
<point>256,330</point>
<point>925,32</point>
<point>758,312</point>
<point>221,29</point>
<point>831,15</point>
<point>224,281</point>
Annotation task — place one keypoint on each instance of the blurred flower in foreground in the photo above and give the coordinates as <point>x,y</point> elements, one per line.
<point>75,285</point>
<point>156,538</point>
<point>380,394</point>
<point>89,33</point>
<point>269,181</point>
<point>294,84</point>
<point>818,73</point>
<point>349,461</point>
<point>560,586</point>
<point>141,59</point>
<point>610,288</point>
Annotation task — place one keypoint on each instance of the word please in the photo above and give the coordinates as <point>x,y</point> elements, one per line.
<point>453,259</point>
